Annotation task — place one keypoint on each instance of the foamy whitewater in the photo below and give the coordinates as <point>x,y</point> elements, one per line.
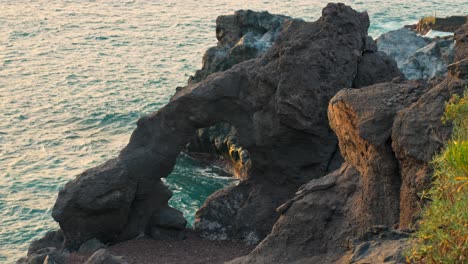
<point>76,75</point>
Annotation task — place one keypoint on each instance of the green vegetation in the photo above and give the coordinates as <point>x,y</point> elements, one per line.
<point>442,236</point>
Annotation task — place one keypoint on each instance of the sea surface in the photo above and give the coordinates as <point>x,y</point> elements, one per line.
<point>75,76</point>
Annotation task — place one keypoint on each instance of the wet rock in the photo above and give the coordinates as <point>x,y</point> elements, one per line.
<point>91,246</point>
<point>418,57</point>
<point>400,44</point>
<point>103,256</point>
<point>431,60</point>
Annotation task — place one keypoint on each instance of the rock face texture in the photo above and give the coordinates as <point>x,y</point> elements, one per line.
<point>278,103</point>
<point>418,57</point>
<point>378,244</point>
<point>103,256</point>
<point>387,134</point>
<point>243,36</point>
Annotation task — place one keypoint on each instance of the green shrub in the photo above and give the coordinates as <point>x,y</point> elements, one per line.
<point>442,236</point>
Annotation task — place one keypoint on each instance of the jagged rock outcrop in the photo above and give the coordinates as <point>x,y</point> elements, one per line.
<point>400,44</point>
<point>52,239</point>
<point>278,105</point>
<point>44,255</point>
<point>243,36</point>
<point>418,57</point>
<point>418,133</point>
<point>387,134</point>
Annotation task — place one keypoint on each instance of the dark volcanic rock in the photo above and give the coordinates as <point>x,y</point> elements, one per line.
<point>388,134</point>
<point>243,36</point>
<point>375,67</point>
<point>378,245</point>
<point>91,246</point>
<point>314,223</point>
<point>103,256</point>
<point>53,239</point>
<point>49,254</point>
<point>418,134</point>
<point>400,44</point>
<point>278,103</point>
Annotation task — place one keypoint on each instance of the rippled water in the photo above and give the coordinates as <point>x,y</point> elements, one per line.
<point>76,75</point>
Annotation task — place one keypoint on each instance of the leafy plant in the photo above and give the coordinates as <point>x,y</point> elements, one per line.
<point>442,236</point>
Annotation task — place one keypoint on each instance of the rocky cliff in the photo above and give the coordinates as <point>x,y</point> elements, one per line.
<point>388,134</point>
<point>322,89</point>
<point>278,105</point>
<point>242,36</point>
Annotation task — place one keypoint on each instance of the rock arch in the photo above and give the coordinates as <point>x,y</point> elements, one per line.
<point>277,103</point>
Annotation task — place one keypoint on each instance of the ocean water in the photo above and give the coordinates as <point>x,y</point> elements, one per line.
<point>76,75</point>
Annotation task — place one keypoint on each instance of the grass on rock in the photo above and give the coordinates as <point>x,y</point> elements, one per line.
<point>442,236</point>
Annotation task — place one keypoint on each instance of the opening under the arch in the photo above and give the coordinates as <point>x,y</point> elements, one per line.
<point>192,182</point>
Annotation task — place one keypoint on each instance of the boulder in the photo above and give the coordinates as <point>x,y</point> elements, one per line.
<point>103,256</point>
<point>53,239</point>
<point>44,255</point>
<point>168,224</point>
<point>362,120</point>
<point>418,57</point>
<point>375,67</point>
<point>278,103</point>
<point>91,246</point>
<point>400,44</point>
<point>431,60</point>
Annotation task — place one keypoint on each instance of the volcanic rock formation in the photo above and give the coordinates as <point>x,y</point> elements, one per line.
<point>278,104</point>
<point>243,36</point>
<point>418,57</point>
<point>388,134</point>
